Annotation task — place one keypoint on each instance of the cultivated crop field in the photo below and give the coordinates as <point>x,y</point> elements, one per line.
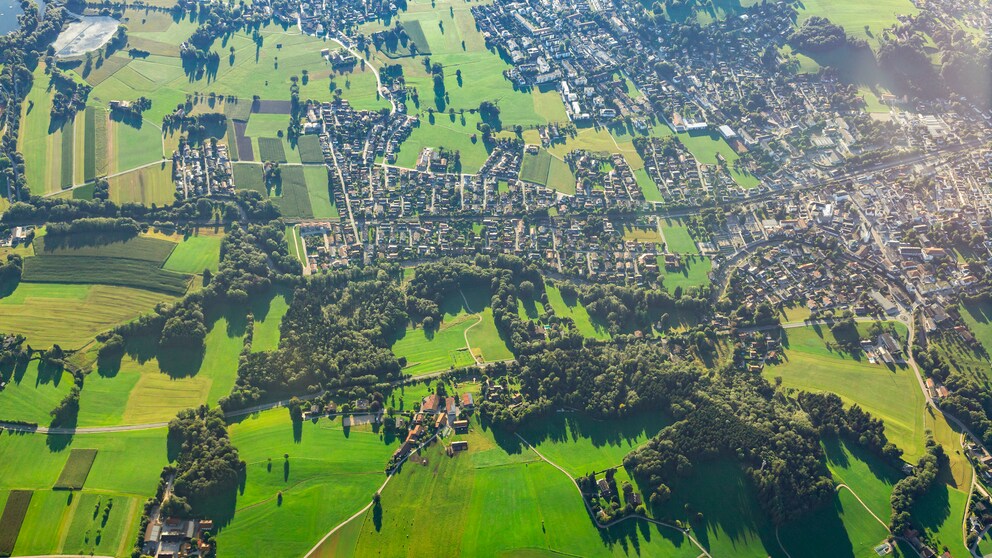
<point>15,508</point>
<point>136,248</point>
<point>38,311</point>
<point>108,271</point>
<point>76,469</point>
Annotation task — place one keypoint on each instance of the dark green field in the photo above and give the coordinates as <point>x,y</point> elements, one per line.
<point>309,147</point>
<point>416,34</point>
<point>249,177</point>
<point>12,518</point>
<point>91,245</point>
<point>89,147</point>
<point>76,469</point>
<point>294,201</point>
<point>68,148</point>
<point>271,149</point>
<point>107,271</point>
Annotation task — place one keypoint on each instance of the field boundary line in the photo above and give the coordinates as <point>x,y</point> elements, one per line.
<point>685,532</point>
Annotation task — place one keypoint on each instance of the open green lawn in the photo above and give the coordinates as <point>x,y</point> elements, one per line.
<point>648,187</point>
<point>941,513</point>
<point>486,341</point>
<point>695,272</point>
<point>319,192</point>
<point>268,313</point>
<point>581,444</point>
<point>891,394</point>
<point>439,350</point>
<point>331,473</point>
<point>495,501</point>
<point>71,315</point>
<point>854,17</point>
<point>677,238</point>
<point>573,309</point>
<point>32,391</point>
<point>451,135</point>
<point>733,523</point>
<point>38,140</point>
<point>196,253</point>
<point>455,43</point>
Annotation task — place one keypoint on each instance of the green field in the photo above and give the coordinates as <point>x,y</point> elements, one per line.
<point>451,135</point>
<point>271,149</point>
<point>268,314</point>
<point>38,140</point>
<point>855,16</point>
<point>319,192</point>
<point>694,273</point>
<point>126,470</point>
<point>295,243</point>
<point>91,245</point>
<point>677,238</point>
<point>195,253</point>
<point>582,445</point>
<point>494,502</point>
<point>32,391</point>
<point>535,168</point>
<point>648,187</point>
<point>809,365</point>
<point>38,311</point>
<point>77,468</point>
<point>106,271</point>
<point>331,473</point>
<point>310,152</point>
<point>437,351</point>
<point>150,185</point>
<point>573,309</point>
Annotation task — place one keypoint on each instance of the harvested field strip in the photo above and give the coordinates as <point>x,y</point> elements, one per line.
<point>76,469</point>
<point>100,148</point>
<point>245,151</point>
<point>68,148</point>
<point>295,198</point>
<point>89,144</point>
<point>232,139</point>
<point>309,147</point>
<point>271,149</point>
<point>238,110</point>
<point>107,271</point>
<point>12,518</point>
<point>136,248</point>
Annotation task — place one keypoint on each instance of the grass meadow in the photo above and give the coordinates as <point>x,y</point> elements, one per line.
<point>147,186</point>
<point>496,499</point>
<point>427,352</point>
<point>332,471</point>
<point>677,237</point>
<point>574,309</point>
<point>891,394</point>
<point>195,253</point>
<point>695,272</point>
<point>32,391</point>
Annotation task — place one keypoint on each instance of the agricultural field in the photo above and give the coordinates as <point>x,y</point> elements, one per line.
<point>268,313</point>
<point>102,270</point>
<point>143,248</point>
<point>319,192</point>
<point>648,187</point>
<point>38,311</point>
<point>450,132</point>
<point>332,472</point>
<point>310,152</point>
<point>125,470</point>
<point>40,140</point>
<point>535,168</point>
<point>695,272</point>
<point>642,234</point>
<point>862,20</point>
<point>809,365</point>
<point>149,185</point>
<point>537,508</point>
<point>76,469</point>
<point>15,508</point>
